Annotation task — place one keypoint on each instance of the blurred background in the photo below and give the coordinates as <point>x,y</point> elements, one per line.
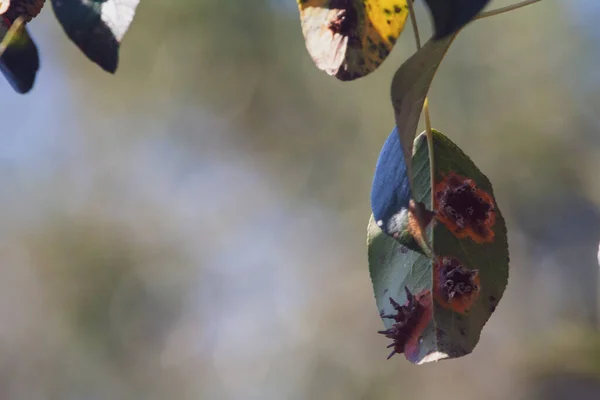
<point>194,227</point>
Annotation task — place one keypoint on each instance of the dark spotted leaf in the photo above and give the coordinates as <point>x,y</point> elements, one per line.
<point>96,27</point>
<point>19,59</point>
<point>351,38</point>
<point>449,16</point>
<point>435,307</point>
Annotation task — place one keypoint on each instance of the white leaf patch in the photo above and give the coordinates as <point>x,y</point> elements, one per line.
<point>118,15</point>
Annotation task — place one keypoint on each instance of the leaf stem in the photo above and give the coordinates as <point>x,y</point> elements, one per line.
<point>503,10</point>
<point>10,34</point>
<point>413,20</point>
<point>429,134</point>
<point>428,131</point>
<point>427,119</point>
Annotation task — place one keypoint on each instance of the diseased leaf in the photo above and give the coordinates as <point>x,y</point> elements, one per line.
<point>434,308</point>
<point>410,85</point>
<point>96,27</point>
<point>391,197</point>
<point>351,38</point>
<point>19,58</point>
<point>449,16</point>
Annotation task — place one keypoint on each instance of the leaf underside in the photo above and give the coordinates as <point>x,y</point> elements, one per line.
<point>453,327</point>
<point>409,89</point>
<point>349,39</point>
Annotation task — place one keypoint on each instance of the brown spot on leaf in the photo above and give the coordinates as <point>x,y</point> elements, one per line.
<point>493,303</point>
<point>464,209</point>
<point>344,20</point>
<point>413,221</point>
<point>455,286</point>
<point>411,319</point>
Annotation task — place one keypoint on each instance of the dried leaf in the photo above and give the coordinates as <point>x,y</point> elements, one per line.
<point>351,38</point>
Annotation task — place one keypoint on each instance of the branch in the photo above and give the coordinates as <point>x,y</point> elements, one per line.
<point>503,10</point>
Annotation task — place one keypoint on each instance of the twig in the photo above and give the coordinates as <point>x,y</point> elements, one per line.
<point>10,34</point>
<point>413,20</point>
<point>428,131</point>
<point>503,10</point>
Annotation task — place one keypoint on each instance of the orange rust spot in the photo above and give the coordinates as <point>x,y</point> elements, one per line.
<point>448,276</point>
<point>414,228</point>
<point>464,209</point>
<point>413,224</point>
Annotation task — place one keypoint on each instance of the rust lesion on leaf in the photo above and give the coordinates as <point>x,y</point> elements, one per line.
<point>344,21</point>
<point>410,320</point>
<point>465,209</point>
<point>455,286</point>
<point>415,227</point>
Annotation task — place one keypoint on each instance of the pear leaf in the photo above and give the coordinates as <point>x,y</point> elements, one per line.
<point>349,39</point>
<point>409,89</point>
<point>449,16</point>
<point>435,308</point>
<point>97,27</point>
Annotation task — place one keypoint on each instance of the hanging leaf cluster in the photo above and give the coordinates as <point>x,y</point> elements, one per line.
<point>97,28</point>
<point>437,242</point>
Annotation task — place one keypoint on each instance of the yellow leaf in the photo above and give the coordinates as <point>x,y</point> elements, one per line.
<point>351,38</point>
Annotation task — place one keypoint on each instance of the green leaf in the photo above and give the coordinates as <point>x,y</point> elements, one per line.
<point>457,290</point>
<point>96,27</point>
<point>410,85</point>
<point>351,38</point>
<point>449,16</point>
